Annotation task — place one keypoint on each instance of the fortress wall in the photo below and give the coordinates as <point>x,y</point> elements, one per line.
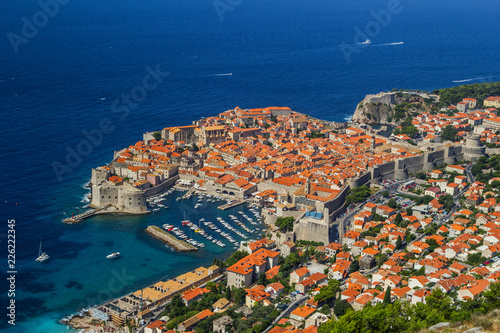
<point>384,98</point>
<point>439,161</point>
<point>162,187</point>
<point>436,154</point>
<point>281,189</point>
<point>271,218</point>
<point>312,231</point>
<point>104,195</point>
<point>492,151</point>
<point>128,200</point>
<point>188,176</point>
<point>363,179</point>
<point>98,176</point>
<point>132,201</point>
<point>415,164</point>
<point>148,136</point>
<point>386,168</point>
<point>338,206</point>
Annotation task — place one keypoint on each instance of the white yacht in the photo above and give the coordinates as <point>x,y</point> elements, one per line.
<point>113,255</point>
<point>42,256</point>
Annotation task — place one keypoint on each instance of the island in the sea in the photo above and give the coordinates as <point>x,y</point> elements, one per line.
<point>393,208</point>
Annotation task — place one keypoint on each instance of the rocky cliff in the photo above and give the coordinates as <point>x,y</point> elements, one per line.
<point>379,108</point>
<point>375,109</point>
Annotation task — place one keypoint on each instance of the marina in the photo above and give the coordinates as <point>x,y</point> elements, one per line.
<point>207,230</point>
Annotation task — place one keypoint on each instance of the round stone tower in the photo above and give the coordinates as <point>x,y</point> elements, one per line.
<point>473,149</point>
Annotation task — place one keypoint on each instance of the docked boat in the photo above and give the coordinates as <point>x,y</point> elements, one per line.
<point>113,255</point>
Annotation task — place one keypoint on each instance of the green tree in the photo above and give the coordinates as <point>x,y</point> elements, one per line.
<point>235,257</point>
<point>239,295</point>
<point>320,256</point>
<point>385,193</point>
<point>381,258</point>
<point>387,296</point>
<point>157,136</point>
<point>398,243</point>
<point>409,211</point>
<point>392,203</point>
<point>354,267</point>
<point>432,244</point>
<point>358,194</point>
<point>446,201</point>
<point>291,262</point>
<point>398,219</point>
<point>421,175</point>
<point>327,293</point>
<point>341,307</point>
<point>228,293</point>
<point>492,296</point>
<point>262,279</point>
<point>285,223</point>
<point>449,133</point>
<point>212,287</point>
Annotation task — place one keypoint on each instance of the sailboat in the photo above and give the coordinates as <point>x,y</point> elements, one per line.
<point>42,256</point>
<point>185,222</point>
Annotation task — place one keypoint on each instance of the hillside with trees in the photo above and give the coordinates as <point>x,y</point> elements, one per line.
<point>479,91</point>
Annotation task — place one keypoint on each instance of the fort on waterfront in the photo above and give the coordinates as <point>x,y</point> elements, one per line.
<point>273,156</point>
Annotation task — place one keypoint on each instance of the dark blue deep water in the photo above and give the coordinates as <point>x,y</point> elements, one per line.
<point>65,79</point>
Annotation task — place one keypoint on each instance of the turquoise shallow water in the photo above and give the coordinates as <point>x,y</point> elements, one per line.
<point>79,270</point>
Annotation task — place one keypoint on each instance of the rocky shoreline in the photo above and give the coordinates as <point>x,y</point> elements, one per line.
<point>170,240</point>
<point>81,321</point>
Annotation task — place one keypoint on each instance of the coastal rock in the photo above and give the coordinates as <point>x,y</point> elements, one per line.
<point>81,322</point>
<point>379,109</point>
<point>475,330</point>
<point>439,326</point>
<point>375,109</point>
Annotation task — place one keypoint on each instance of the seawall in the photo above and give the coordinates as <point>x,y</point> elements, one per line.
<point>170,240</point>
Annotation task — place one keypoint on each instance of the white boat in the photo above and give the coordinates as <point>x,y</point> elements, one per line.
<point>366,42</point>
<point>42,256</point>
<point>113,255</point>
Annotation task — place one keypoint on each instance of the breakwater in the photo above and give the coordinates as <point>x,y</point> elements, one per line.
<point>170,240</point>
<point>231,205</point>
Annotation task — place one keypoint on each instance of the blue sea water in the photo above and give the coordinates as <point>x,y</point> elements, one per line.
<point>65,79</point>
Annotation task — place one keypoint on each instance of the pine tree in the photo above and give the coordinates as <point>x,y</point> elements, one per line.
<point>398,243</point>
<point>387,296</point>
<point>228,293</point>
<point>398,219</point>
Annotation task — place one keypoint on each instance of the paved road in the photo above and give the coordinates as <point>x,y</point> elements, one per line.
<point>295,304</point>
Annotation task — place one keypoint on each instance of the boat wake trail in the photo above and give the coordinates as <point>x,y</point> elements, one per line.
<point>475,79</point>
<point>223,74</point>
<point>389,44</point>
<point>369,43</point>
